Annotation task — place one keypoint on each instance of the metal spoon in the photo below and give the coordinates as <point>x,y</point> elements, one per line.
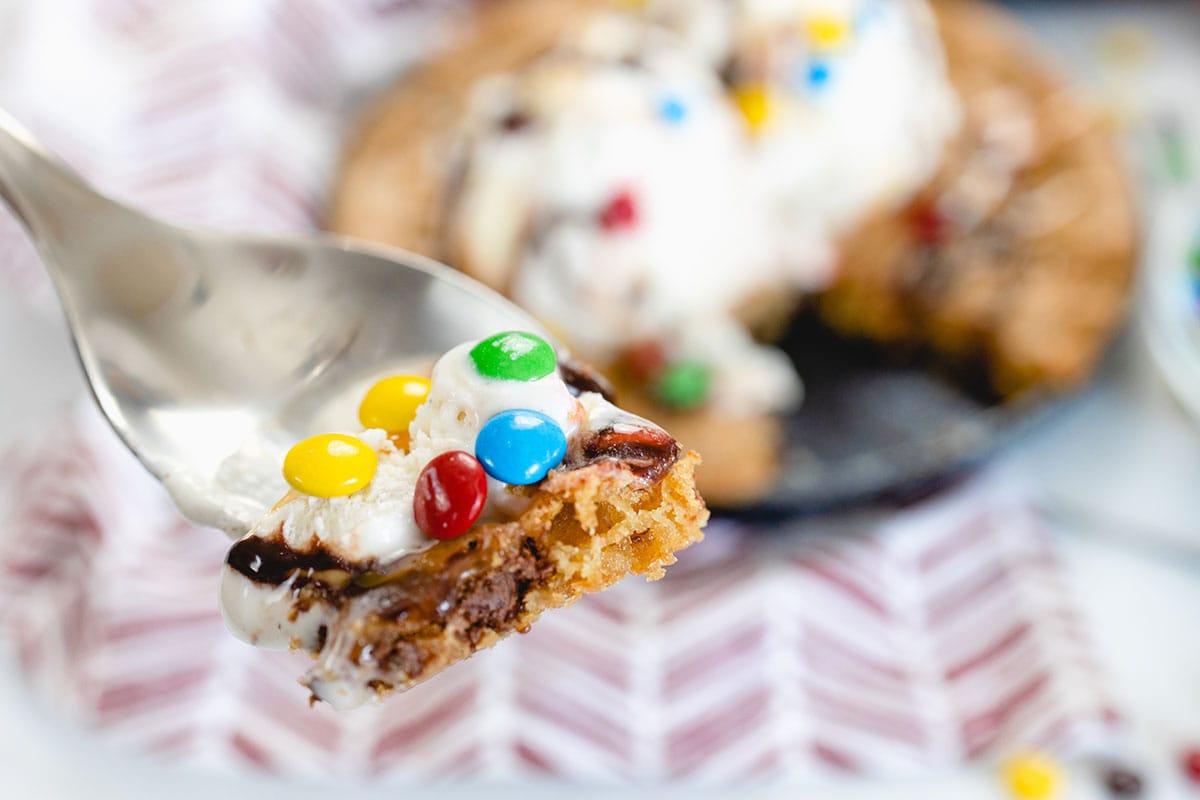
<point>211,352</point>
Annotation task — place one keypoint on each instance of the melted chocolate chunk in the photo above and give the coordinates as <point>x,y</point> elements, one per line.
<point>515,121</point>
<point>272,561</point>
<point>647,452</point>
<point>488,601</point>
<point>580,378</point>
<point>728,71</point>
<point>1122,782</point>
<point>471,591</point>
<point>405,658</point>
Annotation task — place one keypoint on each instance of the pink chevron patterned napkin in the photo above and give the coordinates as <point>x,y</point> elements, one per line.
<point>873,645</point>
<point>876,645</point>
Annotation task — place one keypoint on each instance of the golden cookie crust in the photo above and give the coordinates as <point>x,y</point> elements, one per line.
<point>1034,290</point>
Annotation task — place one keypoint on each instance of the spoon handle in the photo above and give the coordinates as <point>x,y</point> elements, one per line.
<point>47,197</point>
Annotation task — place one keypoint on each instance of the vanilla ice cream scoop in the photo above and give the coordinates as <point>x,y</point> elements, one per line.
<point>608,187</point>
<point>849,100</point>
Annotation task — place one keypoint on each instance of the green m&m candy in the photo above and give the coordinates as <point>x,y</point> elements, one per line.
<point>684,385</point>
<point>514,356</point>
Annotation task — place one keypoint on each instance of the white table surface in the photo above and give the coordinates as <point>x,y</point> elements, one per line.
<point>1119,470</point>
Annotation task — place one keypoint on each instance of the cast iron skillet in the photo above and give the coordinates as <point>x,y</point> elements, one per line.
<point>877,429</point>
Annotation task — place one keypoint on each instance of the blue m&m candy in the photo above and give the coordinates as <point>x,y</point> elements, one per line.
<point>818,74</point>
<point>520,446</point>
<point>672,109</point>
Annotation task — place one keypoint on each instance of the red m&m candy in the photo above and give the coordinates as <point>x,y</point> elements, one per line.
<point>450,494</point>
<point>1190,761</point>
<point>929,224</point>
<point>644,359</point>
<point>620,213</point>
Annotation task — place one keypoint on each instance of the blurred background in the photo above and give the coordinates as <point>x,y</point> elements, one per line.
<point>1047,602</point>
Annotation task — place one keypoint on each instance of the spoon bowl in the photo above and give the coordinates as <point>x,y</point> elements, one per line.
<point>212,352</point>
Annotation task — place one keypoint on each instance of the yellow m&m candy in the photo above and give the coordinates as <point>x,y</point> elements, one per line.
<point>827,31</point>
<point>330,465</point>
<point>1032,776</point>
<point>755,103</point>
<point>392,403</point>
